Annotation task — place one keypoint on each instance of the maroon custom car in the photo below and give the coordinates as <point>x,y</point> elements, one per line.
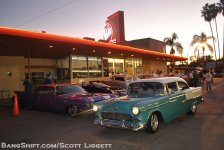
<point>69,98</point>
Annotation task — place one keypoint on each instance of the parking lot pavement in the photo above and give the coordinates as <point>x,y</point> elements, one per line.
<point>203,131</point>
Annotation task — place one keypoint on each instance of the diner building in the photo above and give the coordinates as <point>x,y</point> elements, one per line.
<point>74,60</point>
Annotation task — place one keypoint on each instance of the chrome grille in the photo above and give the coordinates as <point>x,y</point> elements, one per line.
<point>117,116</point>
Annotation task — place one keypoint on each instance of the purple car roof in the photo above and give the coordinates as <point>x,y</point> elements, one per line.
<point>58,84</point>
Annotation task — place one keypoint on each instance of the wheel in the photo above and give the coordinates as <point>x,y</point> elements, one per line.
<point>153,123</point>
<point>72,111</point>
<point>193,109</point>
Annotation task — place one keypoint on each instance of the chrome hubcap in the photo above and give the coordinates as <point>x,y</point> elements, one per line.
<point>154,122</point>
<point>72,111</point>
<point>193,108</point>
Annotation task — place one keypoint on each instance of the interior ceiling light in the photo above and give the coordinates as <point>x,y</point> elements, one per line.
<point>109,52</point>
<point>157,58</point>
<point>94,51</point>
<point>73,49</point>
<point>51,46</point>
<point>132,55</point>
<point>121,54</point>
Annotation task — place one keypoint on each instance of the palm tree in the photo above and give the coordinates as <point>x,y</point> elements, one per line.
<point>201,42</point>
<point>207,14</point>
<point>214,12</point>
<point>221,10</point>
<point>171,41</point>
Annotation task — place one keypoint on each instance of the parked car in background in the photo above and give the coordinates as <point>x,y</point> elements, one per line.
<point>146,76</point>
<point>101,87</point>
<point>69,98</point>
<point>121,81</point>
<point>149,102</point>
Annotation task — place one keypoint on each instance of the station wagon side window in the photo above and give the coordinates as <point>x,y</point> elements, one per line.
<point>182,85</point>
<point>47,90</point>
<point>119,79</point>
<point>172,86</point>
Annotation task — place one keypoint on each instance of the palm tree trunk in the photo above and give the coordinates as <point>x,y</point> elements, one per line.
<point>217,39</point>
<point>223,49</point>
<point>213,44</point>
<point>204,61</point>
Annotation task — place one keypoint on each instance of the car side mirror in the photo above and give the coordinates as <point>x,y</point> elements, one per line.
<point>170,91</point>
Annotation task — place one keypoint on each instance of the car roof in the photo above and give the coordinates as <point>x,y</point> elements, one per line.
<point>58,84</point>
<point>162,79</point>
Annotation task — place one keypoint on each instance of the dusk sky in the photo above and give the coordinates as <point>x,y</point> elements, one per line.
<point>156,19</point>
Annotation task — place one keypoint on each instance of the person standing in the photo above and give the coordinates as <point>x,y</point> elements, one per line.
<point>196,79</point>
<point>208,79</point>
<point>177,74</point>
<point>48,79</point>
<point>27,85</point>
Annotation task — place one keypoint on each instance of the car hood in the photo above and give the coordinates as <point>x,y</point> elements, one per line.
<point>81,96</point>
<point>125,104</point>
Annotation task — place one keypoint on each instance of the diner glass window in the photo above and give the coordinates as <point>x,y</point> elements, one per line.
<point>62,68</point>
<point>137,66</point>
<point>119,65</point>
<point>79,64</point>
<point>116,65</point>
<point>95,67</point>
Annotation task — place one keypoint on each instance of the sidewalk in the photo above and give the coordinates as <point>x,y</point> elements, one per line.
<point>212,114</point>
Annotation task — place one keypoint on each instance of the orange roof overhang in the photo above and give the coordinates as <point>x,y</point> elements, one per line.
<point>16,42</point>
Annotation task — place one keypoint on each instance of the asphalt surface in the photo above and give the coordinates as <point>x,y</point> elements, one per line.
<point>204,131</point>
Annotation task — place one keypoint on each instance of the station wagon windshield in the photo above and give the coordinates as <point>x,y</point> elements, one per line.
<point>145,89</point>
<point>69,89</point>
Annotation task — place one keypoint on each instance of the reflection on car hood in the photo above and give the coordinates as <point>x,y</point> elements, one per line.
<point>124,104</point>
<point>78,96</point>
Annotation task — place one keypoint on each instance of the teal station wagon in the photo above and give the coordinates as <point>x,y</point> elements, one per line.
<point>149,101</point>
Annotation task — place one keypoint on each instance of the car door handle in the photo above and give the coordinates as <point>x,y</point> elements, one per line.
<point>184,100</point>
<point>171,101</point>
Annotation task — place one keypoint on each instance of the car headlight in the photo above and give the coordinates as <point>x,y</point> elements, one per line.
<point>135,110</point>
<point>95,108</point>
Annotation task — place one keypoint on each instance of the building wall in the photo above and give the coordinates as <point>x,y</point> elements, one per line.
<point>18,66</point>
<point>12,83</point>
<point>148,43</point>
<point>40,65</point>
<point>150,67</point>
<point>157,45</point>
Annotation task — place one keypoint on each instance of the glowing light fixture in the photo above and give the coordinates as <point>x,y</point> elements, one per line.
<point>109,52</point>
<point>95,108</point>
<point>73,49</point>
<point>51,46</point>
<point>94,51</point>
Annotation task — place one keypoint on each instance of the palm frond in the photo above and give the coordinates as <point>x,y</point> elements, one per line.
<point>168,41</point>
<point>206,12</point>
<point>222,6</point>
<point>195,39</point>
<point>211,37</point>
<point>210,48</point>
<point>213,10</point>
<point>174,36</point>
<point>179,48</point>
<point>196,50</point>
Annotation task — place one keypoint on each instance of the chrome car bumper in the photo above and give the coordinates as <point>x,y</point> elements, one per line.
<point>135,126</point>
